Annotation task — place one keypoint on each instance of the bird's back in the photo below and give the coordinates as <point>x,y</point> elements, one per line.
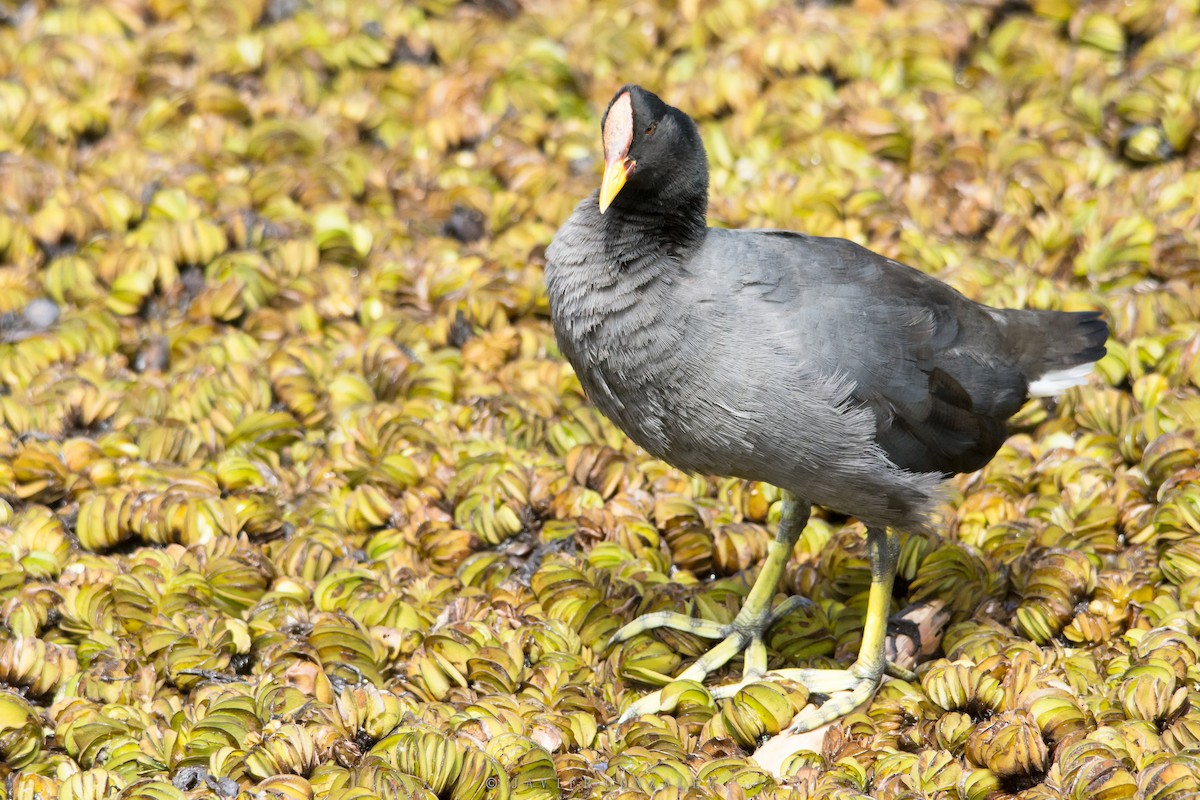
<point>940,373</point>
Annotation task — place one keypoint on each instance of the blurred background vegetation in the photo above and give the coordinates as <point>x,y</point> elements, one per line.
<point>300,501</point>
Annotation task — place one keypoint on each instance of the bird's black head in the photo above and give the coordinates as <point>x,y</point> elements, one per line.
<point>653,155</point>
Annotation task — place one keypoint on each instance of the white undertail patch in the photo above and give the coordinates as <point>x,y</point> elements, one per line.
<point>1058,381</point>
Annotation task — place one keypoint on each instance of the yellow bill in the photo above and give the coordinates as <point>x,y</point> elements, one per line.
<point>615,173</point>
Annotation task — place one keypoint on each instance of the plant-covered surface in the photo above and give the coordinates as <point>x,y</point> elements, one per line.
<point>300,501</point>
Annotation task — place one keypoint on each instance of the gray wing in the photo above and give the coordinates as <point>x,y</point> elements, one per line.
<point>931,365</point>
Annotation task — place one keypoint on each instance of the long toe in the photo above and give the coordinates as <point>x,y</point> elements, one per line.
<point>669,619</point>
<point>650,704</point>
<point>843,690</point>
<point>712,660</point>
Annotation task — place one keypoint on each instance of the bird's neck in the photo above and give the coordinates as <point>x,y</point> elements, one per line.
<point>654,232</point>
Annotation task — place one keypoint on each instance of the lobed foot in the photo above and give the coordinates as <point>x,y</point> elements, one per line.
<point>744,634</point>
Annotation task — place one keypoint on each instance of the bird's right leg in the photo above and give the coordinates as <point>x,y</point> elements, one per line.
<point>746,631</point>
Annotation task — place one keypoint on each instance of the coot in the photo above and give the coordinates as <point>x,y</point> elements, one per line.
<point>845,378</point>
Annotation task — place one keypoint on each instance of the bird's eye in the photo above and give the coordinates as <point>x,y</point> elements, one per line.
<point>650,129</point>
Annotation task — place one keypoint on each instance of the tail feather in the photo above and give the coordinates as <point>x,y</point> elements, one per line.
<point>1056,349</point>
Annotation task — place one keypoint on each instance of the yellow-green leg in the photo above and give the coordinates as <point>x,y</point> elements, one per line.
<point>847,689</point>
<point>748,627</point>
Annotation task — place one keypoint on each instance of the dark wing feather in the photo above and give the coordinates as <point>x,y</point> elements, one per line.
<point>931,364</point>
